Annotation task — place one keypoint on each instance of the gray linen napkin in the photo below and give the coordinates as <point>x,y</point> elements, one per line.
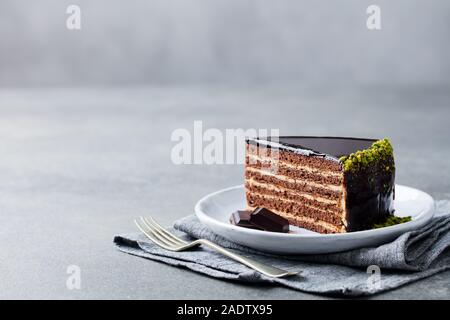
<point>412,256</point>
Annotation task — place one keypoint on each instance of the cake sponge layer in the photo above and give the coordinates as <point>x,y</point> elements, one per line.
<point>306,191</point>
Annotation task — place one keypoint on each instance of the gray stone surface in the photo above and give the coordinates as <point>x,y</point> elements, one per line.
<point>224,41</point>
<point>77,165</point>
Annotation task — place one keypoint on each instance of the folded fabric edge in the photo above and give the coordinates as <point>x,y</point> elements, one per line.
<point>132,247</point>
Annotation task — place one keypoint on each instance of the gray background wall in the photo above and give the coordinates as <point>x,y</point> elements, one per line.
<point>224,41</point>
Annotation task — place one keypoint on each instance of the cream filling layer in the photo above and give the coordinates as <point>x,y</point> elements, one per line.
<point>269,160</point>
<point>282,199</point>
<point>296,181</point>
<point>344,207</point>
<point>321,223</point>
<point>296,193</point>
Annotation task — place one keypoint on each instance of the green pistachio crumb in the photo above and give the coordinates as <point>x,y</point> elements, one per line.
<point>380,150</point>
<point>391,221</point>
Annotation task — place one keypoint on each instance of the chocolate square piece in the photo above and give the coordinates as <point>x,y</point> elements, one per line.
<point>241,218</point>
<point>269,221</point>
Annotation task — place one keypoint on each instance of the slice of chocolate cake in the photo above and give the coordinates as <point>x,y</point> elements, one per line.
<point>324,184</point>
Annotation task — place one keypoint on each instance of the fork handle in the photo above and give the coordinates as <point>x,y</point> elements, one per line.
<point>255,265</point>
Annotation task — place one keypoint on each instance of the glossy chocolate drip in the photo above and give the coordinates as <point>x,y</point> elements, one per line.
<point>370,195</point>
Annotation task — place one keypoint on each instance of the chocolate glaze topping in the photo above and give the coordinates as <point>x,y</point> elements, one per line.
<point>319,146</point>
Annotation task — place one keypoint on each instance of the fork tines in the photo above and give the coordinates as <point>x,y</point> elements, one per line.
<point>158,234</point>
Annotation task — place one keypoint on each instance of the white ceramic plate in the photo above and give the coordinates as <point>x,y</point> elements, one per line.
<point>215,209</point>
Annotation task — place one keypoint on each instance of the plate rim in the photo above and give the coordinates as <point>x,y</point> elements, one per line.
<point>403,227</point>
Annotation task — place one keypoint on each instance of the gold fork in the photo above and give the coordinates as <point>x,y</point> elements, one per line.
<point>169,241</point>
